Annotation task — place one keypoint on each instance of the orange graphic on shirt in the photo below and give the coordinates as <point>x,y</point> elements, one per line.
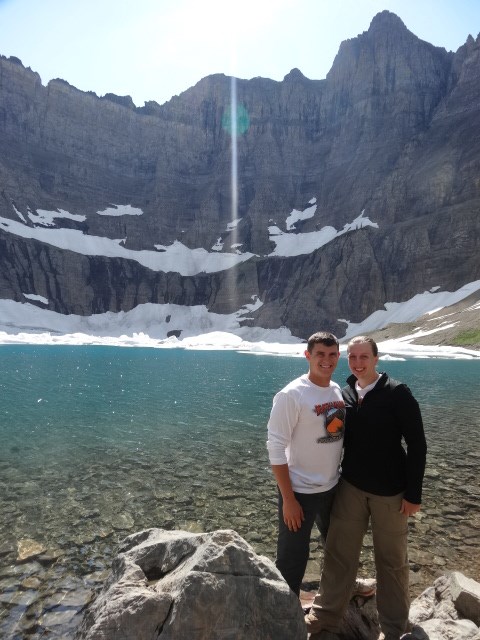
<point>335,425</point>
<point>335,420</point>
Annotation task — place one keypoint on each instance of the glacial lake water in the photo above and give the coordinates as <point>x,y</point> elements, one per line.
<point>99,442</point>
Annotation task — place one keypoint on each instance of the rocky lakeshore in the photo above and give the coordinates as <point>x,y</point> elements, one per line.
<point>174,584</point>
<point>169,569</point>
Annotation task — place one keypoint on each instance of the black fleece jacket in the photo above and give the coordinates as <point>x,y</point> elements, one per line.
<point>375,459</point>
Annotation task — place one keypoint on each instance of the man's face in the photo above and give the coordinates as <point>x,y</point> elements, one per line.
<point>362,362</point>
<point>322,361</point>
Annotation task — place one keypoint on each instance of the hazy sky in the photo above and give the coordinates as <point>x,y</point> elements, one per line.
<point>153,49</point>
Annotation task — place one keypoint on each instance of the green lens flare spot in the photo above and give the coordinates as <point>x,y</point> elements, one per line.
<point>238,117</point>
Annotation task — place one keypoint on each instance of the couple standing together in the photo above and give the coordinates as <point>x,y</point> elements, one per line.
<point>311,423</point>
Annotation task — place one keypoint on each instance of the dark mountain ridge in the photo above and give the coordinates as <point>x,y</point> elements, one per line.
<point>392,131</point>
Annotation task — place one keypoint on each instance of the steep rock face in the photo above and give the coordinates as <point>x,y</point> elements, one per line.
<point>392,131</point>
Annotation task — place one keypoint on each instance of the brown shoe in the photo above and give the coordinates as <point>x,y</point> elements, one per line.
<point>314,625</point>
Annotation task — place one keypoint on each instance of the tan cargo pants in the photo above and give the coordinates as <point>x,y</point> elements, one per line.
<point>352,510</point>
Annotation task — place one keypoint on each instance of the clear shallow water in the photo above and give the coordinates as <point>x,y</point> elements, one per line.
<point>98,442</point>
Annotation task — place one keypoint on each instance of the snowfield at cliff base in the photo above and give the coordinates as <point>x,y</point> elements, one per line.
<point>28,321</point>
<point>158,325</point>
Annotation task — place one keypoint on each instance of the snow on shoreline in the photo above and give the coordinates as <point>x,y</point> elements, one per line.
<point>158,325</point>
<point>219,341</point>
<point>148,325</point>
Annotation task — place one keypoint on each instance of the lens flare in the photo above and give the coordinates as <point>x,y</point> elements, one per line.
<point>236,119</point>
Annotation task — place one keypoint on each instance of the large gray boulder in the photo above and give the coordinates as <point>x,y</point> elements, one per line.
<point>176,585</point>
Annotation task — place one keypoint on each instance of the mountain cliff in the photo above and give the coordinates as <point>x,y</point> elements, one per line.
<point>320,200</point>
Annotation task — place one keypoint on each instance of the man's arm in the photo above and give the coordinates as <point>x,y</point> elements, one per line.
<point>283,419</point>
<point>292,510</point>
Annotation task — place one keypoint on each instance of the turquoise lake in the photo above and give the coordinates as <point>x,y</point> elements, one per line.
<point>99,442</point>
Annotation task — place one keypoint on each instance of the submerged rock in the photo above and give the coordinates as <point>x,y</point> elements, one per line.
<point>176,584</point>
<point>28,549</point>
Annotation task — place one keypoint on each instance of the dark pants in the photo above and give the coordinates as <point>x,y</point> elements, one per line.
<point>293,547</point>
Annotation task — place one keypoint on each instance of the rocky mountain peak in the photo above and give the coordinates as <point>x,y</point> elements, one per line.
<point>387,41</point>
<point>294,76</point>
<point>386,21</point>
<point>124,101</point>
<point>15,60</point>
<point>387,69</point>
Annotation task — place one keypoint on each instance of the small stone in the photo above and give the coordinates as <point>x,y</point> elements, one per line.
<point>122,521</point>
<point>49,557</point>
<point>191,526</point>
<point>57,618</point>
<point>21,570</point>
<point>31,583</point>
<point>21,599</point>
<point>28,549</point>
<point>6,549</point>
<point>70,599</point>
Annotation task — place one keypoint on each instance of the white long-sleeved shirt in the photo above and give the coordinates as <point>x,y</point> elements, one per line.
<point>305,431</point>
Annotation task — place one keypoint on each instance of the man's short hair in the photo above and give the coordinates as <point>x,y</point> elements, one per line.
<point>322,337</point>
<point>363,340</point>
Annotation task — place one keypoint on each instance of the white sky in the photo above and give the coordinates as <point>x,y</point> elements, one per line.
<point>154,49</point>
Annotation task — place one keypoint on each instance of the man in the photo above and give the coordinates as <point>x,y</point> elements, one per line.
<point>382,483</point>
<point>305,439</point>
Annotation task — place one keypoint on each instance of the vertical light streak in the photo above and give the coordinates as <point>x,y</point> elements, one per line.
<point>234,157</point>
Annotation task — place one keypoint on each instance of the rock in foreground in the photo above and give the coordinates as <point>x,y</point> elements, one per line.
<point>449,610</point>
<point>178,585</point>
